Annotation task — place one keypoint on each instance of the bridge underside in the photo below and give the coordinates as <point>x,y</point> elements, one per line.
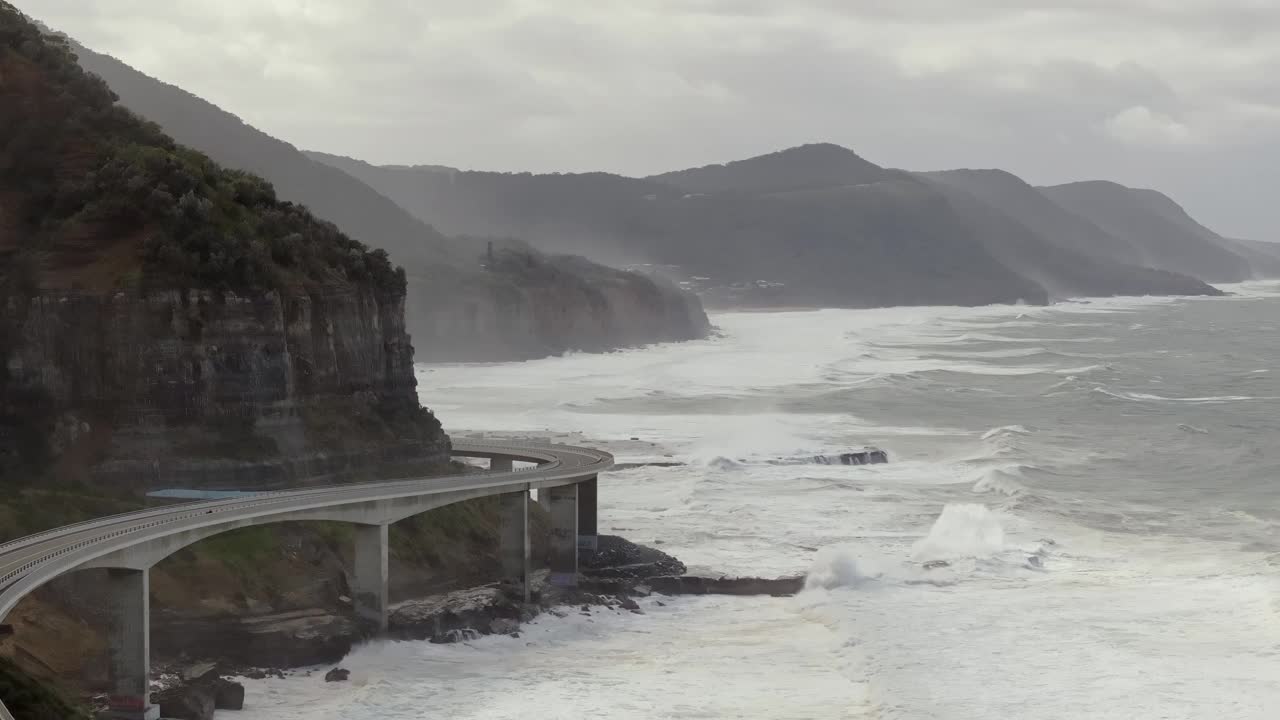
<point>571,510</point>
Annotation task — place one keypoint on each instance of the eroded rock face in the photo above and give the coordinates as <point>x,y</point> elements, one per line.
<point>205,388</point>
<point>295,639</point>
<point>456,616</point>
<point>534,306</point>
<point>617,557</point>
<point>193,701</point>
<point>690,585</point>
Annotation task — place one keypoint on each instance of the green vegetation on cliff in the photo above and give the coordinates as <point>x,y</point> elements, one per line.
<point>31,700</point>
<point>93,196</point>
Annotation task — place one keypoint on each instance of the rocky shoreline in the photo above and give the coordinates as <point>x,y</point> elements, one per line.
<point>193,684</point>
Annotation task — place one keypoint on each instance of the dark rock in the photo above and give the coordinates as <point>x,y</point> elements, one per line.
<point>256,674</point>
<point>634,465</point>
<point>193,701</point>
<point>692,585</point>
<point>337,675</point>
<point>455,636</point>
<point>616,557</point>
<point>865,457</point>
<point>228,695</point>
<point>456,616</point>
<point>292,639</point>
<point>504,626</point>
<point>627,603</point>
<point>245,348</point>
<point>201,691</point>
<point>870,456</point>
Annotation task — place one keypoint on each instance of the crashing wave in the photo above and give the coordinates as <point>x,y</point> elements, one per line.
<point>961,531</point>
<point>1004,482</point>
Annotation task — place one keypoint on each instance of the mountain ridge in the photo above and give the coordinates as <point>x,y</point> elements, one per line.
<point>476,321</point>
<point>803,221</point>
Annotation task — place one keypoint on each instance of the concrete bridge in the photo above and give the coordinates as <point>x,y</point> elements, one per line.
<point>128,545</point>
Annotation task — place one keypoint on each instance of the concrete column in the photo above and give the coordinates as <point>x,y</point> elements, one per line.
<point>369,584</point>
<point>501,463</point>
<point>564,535</point>
<point>544,500</point>
<point>588,530</point>
<point>127,595</point>
<point>515,540</point>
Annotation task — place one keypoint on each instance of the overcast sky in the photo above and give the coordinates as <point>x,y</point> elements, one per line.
<point>1180,95</point>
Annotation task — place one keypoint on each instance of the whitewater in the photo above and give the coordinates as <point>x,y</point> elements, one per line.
<point>1080,520</point>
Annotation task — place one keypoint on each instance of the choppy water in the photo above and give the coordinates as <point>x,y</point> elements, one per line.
<point>1129,446</point>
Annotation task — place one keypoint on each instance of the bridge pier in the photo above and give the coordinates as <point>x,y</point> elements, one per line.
<point>501,463</point>
<point>563,502</point>
<point>129,645</point>
<point>369,582</point>
<point>515,540</point>
<point>588,530</point>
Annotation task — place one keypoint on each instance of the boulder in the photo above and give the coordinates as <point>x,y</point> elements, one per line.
<point>337,675</point>
<point>290,639</point>
<point>192,701</point>
<point>863,457</point>
<point>504,626</point>
<point>617,557</point>
<point>456,616</point>
<point>227,694</point>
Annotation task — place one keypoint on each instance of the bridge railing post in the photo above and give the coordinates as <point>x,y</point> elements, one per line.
<point>129,645</point>
<point>515,540</point>
<point>369,582</point>
<point>563,503</point>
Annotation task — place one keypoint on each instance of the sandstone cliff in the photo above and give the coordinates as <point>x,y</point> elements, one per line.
<point>165,320</point>
<point>526,305</point>
<point>199,388</point>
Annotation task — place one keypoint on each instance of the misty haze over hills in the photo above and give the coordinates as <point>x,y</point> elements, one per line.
<point>519,304</point>
<point>819,225</point>
<point>812,225</point>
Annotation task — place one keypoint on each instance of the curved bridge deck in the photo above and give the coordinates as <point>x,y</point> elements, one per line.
<point>128,545</point>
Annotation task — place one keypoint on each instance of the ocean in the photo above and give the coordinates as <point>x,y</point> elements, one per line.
<point>1093,486</point>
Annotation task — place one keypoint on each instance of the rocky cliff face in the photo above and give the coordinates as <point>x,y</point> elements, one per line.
<point>527,305</point>
<point>209,388</point>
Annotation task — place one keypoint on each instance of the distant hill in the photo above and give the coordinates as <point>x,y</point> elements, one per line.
<point>819,165</point>
<point>1037,239</point>
<point>486,317</point>
<point>813,225</point>
<point>1013,197</point>
<point>563,213</point>
<point>1162,233</point>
